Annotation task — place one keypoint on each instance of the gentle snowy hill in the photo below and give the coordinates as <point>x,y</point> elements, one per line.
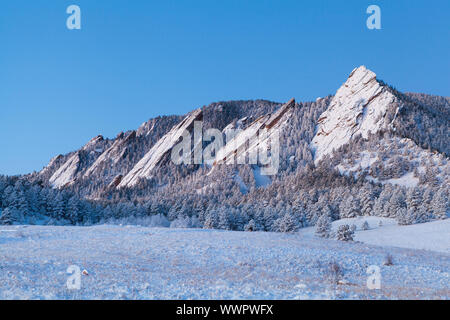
<point>432,236</point>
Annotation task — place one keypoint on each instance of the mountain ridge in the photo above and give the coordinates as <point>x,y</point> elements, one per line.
<point>367,150</point>
<point>387,143</point>
<point>359,107</point>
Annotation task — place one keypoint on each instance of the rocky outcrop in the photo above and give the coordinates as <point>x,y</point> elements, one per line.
<point>245,142</point>
<point>116,181</point>
<point>73,168</point>
<point>144,168</point>
<point>66,173</point>
<point>359,107</point>
<point>106,163</point>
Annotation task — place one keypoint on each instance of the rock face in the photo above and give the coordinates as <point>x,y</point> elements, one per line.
<point>359,107</point>
<point>66,173</point>
<point>71,169</point>
<point>244,141</point>
<point>150,161</point>
<point>106,163</point>
<point>362,105</point>
<point>52,166</point>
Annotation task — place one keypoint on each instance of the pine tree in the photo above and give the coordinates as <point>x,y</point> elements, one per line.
<point>8,216</point>
<point>323,226</point>
<point>287,223</point>
<point>18,201</point>
<point>252,226</point>
<point>440,205</point>
<point>396,202</point>
<point>73,210</point>
<point>367,201</point>
<point>414,199</point>
<point>405,217</point>
<point>224,219</point>
<point>381,204</point>
<point>59,207</point>
<point>417,210</point>
<point>210,220</point>
<point>270,216</point>
<point>365,226</point>
<point>350,208</point>
<point>427,198</point>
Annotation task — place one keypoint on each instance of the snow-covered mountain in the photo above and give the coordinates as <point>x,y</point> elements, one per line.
<point>362,106</point>
<point>359,107</point>
<point>341,155</point>
<point>402,130</point>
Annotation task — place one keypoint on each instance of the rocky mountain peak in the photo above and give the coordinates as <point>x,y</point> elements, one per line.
<point>359,107</point>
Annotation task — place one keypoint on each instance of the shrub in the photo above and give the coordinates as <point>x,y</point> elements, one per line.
<point>365,226</point>
<point>388,260</point>
<point>334,272</point>
<point>345,233</point>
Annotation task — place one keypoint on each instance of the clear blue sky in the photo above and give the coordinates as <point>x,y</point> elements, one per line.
<point>134,60</point>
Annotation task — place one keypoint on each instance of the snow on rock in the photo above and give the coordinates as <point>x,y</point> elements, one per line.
<point>55,162</point>
<point>358,107</point>
<point>237,146</point>
<point>112,155</point>
<point>68,172</point>
<point>237,125</point>
<point>164,145</point>
<point>94,143</point>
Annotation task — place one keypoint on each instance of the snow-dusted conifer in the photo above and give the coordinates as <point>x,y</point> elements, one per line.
<point>287,223</point>
<point>440,204</point>
<point>323,226</point>
<point>365,226</point>
<point>345,233</point>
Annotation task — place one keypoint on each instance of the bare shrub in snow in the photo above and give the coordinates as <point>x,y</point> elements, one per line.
<point>388,260</point>
<point>334,272</point>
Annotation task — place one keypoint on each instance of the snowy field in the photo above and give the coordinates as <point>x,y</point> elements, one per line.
<point>132,262</point>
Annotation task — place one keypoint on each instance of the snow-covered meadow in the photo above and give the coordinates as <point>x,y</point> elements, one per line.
<point>133,262</point>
